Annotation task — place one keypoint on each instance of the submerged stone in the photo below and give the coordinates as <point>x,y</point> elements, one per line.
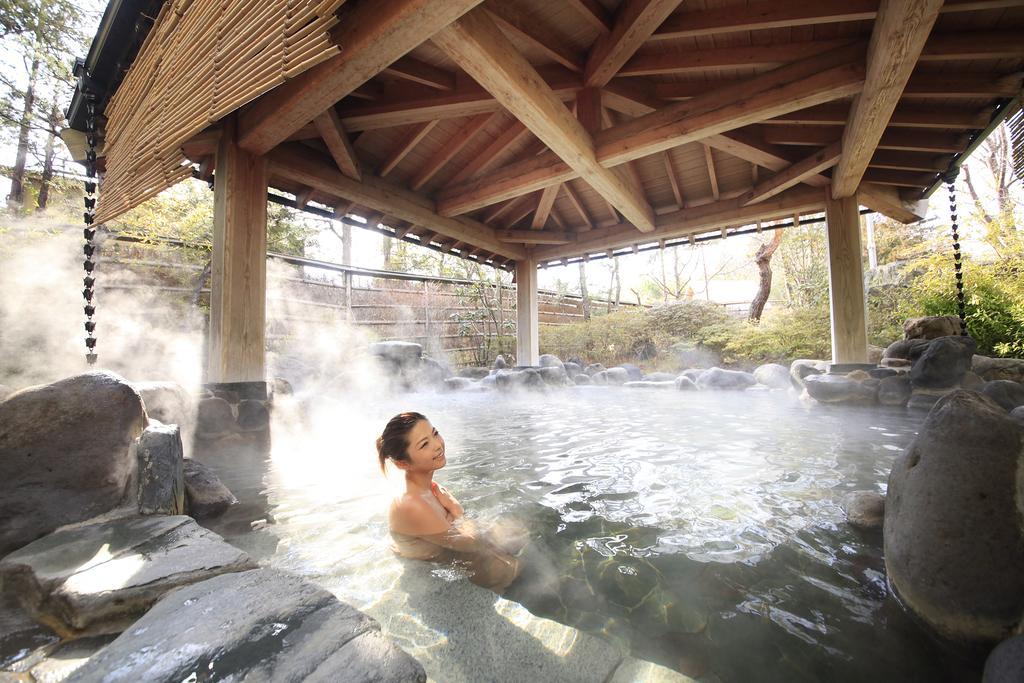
<point>865,509</point>
<point>259,625</point>
<point>67,453</point>
<point>161,471</point>
<point>894,390</point>
<point>98,578</point>
<point>954,542</point>
<point>837,389</point>
<point>205,495</point>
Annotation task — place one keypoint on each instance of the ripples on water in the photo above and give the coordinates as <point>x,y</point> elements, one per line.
<point>703,529</point>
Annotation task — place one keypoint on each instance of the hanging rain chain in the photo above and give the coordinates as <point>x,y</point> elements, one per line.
<point>950,180</point>
<point>90,232</point>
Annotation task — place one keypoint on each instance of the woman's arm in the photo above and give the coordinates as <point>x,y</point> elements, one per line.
<point>447,500</point>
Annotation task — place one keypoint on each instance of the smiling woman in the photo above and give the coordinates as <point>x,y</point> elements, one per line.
<point>426,521</point>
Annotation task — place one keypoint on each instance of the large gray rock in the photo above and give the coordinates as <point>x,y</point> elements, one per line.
<point>1005,664</point>
<point>100,577</point>
<point>773,375</point>
<point>1017,415</point>
<point>457,383</point>
<point>684,383</point>
<point>525,379</point>
<point>167,402</point>
<point>259,626</point>
<point>473,372</point>
<point>593,369</point>
<point>651,384</point>
<point>894,390</point>
<point>943,363</point>
<point>865,509</point>
<point>1004,392</point>
<point>635,373</point>
<point>837,389</point>
<point>998,368</point>
<point>205,495</point>
<point>905,349</point>
<point>572,369</point>
<point>659,377</point>
<point>499,363</point>
<point>617,375</point>
<point>214,418</point>
<point>924,399</point>
<point>253,415</point>
<point>553,375</point>
<point>161,470</point>
<point>954,546</point>
<point>931,327</point>
<point>717,378</point>
<point>582,380</point>
<point>804,367</point>
<point>67,453</point>
<point>548,360</point>
<point>398,352</point>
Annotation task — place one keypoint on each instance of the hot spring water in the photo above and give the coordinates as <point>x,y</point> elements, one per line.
<point>704,530</point>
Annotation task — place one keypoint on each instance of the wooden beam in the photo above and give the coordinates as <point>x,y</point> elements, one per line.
<point>713,216</point>
<point>893,138</point>
<point>909,161</point>
<point>335,137</point>
<point>795,174</point>
<point>887,200</point>
<point>239,262</point>
<point>547,201</point>
<point>886,176</point>
<point>542,38</point>
<point>511,135</point>
<point>789,14</point>
<point>450,148</point>
<point>592,12</point>
<point>498,210</point>
<point>630,96</point>
<point>407,144</point>
<point>685,122</point>
<point>304,166</point>
<point>906,116</point>
<point>373,34</point>
<point>709,161</point>
<point>201,145</point>
<point>535,236</point>
<point>635,22</point>
<point>673,180</point>
<point>523,207</point>
<point>577,205</point>
<point>702,59</point>
<point>399,109</point>
<point>414,70</point>
<point>479,47</point>
<point>898,37</point>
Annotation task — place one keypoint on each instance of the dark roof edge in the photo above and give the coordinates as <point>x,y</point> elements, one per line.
<point>121,32</point>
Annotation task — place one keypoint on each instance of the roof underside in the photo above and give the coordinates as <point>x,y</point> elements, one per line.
<point>482,166</point>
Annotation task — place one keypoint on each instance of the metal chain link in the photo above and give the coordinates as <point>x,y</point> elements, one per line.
<point>961,307</point>
<point>90,232</point>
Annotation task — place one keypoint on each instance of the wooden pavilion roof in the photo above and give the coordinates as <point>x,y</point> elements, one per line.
<point>556,129</point>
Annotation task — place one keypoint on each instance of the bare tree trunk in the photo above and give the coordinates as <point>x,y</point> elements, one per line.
<point>44,184</point>
<point>618,284</point>
<point>197,291</point>
<point>584,297</point>
<point>763,258</point>
<point>17,197</point>
<point>385,250</point>
<point>664,279</point>
<point>974,196</point>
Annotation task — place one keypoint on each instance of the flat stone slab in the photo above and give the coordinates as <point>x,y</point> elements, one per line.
<point>99,577</point>
<point>259,625</point>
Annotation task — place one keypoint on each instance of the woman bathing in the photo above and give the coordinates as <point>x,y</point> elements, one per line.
<point>427,521</point>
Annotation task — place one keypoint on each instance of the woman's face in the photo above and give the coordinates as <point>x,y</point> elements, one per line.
<point>426,448</point>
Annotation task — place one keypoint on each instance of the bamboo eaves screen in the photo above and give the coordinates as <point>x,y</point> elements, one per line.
<point>202,60</point>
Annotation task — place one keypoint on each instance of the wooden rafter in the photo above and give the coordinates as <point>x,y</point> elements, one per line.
<point>898,38</point>
<point>909,161</point>
<point>407,144</point>
<point>511,135</point>
<point>592,12</point>
<point>416,71</point>
<point>539,36</point>
<point>374,35</point>
<point>577,205</point>
<point>479,47</point>
<point>544,206</point>
<point>790,13</point>
<point>536,236</point>
<point>715,215</point>
<point>885,176</point>
<point>634,23</point>
<point>523,207</point>
<point>709,161</point>
<point>449,149</point>
<point>673,179</point>
<point>887,200</point>
<point>793,175</point>
<point>336,138</point>
<point>908,116</point>
<point>893,138</point>
<point>304,166</point>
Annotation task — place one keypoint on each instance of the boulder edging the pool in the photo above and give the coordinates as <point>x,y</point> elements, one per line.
<point>266,625</point>
<point>953,536</point>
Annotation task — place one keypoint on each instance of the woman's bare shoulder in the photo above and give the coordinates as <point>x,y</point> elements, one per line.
<point>413,516</point>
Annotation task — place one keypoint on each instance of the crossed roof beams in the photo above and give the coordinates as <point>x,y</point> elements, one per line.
<point>645,11</point>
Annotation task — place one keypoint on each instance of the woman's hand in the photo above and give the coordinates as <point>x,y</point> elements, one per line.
<point>446,500</point>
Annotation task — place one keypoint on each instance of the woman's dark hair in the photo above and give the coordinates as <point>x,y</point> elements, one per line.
<point>394,442</point>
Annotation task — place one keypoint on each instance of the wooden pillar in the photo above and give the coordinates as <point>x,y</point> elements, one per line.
<point>239,282</point>
<point>846,280</point>
<point>527,314</point>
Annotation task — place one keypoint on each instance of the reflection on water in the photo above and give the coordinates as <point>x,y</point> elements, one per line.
<point>704,530</point>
